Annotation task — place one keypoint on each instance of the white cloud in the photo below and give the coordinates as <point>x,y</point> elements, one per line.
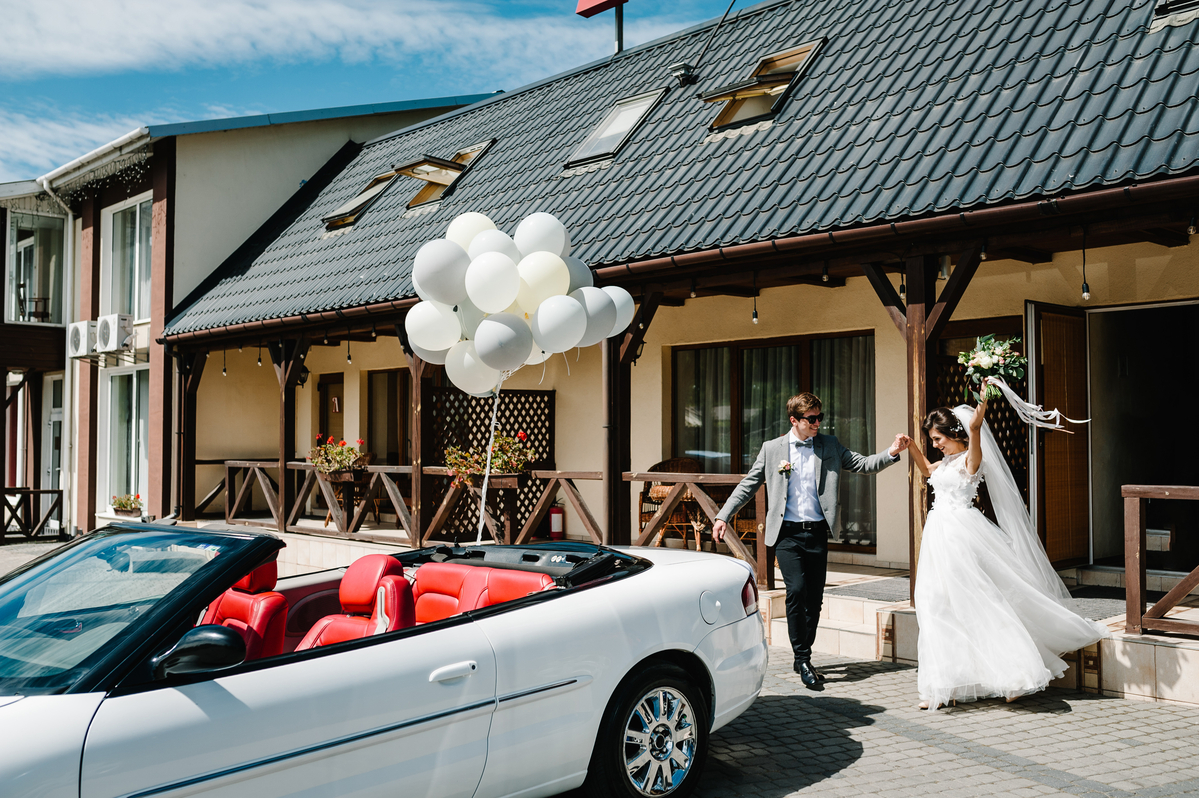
<point>75,37</point>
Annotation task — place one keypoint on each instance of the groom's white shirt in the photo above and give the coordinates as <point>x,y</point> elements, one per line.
<point>803,500</point>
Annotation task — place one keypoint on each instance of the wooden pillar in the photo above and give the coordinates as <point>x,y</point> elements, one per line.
<point>288,358</point>
<point>418,398</point>
<point>190,367</point>
<point>162,255</point>
<point>87,384</point>
<point>921,276</point>
<point>616,413</point>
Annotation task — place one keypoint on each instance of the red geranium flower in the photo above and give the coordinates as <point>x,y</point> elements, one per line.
<point>522,436</point>
<point>343,443</point>
<point>318,437</point>
<point>360,441</point>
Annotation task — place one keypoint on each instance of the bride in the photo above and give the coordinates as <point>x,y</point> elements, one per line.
<point>994,616</point>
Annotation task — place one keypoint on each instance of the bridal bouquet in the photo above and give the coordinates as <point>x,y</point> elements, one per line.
<point>991,358</point>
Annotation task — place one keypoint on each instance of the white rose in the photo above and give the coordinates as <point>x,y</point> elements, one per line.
<point>985,360</point>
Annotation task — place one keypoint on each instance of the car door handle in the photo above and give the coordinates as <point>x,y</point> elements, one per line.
<point>458,670</point>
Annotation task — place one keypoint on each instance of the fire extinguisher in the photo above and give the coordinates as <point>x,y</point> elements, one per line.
<point>557,523</point>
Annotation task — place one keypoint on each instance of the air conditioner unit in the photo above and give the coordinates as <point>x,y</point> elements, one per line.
<point>114,333</point>
<point>81,338</point>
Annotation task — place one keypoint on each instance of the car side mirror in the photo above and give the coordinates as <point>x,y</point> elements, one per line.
<point>204,649</point>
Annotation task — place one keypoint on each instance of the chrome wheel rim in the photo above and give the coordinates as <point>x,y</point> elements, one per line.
<point>659,742</point>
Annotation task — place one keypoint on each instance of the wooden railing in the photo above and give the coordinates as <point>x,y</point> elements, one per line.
<point>1136,618</point>
<point>349,506</point>
<point>691,485</point>
<point>22,508</point>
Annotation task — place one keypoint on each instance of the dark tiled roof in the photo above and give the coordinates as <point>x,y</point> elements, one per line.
<point>911,108</point>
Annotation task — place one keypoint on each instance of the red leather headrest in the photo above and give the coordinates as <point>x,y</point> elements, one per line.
<point>357,591</point>
<point>504,585</point>
<point>260,579</point>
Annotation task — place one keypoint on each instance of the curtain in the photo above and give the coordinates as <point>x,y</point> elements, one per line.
<point>703,407</point>
<point>769,377</point>
<point>843,378</point>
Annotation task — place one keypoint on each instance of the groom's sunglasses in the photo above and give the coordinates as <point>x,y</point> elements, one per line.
<point>816,419</point>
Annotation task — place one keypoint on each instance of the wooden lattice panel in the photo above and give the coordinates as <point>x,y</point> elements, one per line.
<point>954,388</point>
<point>459,419</point>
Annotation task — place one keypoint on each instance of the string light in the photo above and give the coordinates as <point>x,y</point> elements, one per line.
<point>693,288</point>
<point>348,359</point>
<point>1086,289</point>
<point>224,373</point>
<point>373,333</point>
<point>982,255</point>
<point>1191,228</point>
<point>824,273</point>
<point>260,354</point>
<point>903,289</point>
<point>755,316</point>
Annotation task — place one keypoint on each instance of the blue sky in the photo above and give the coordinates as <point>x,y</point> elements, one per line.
<point>74,75</point>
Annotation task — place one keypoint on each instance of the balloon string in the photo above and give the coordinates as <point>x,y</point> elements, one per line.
<point>566,360</point>
<point>495,409</point>
<point>543,371</point>
<point>578,351</point>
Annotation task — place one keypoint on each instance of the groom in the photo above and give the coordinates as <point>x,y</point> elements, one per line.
<point>802,471</point>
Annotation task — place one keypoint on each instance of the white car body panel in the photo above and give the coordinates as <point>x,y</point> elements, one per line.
<point>239,734</point>
<point>542,745</point>
<point>40,741</point>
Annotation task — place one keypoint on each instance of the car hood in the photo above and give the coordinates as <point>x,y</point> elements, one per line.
<point>668,556</point>
<point>5,700</point>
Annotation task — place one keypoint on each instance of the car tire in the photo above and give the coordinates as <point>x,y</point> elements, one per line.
<point>653,740</point>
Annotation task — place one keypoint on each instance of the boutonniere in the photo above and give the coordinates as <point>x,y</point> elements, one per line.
<point>785,468</point>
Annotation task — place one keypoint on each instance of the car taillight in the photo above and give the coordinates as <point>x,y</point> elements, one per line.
<point>749,596</point>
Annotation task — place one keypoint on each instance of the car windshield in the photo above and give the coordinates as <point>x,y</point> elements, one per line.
<point>60,616</point>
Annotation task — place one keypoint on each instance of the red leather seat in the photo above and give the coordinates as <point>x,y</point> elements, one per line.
<point>375,598</point>
<point>504,585</point>
<point>253,609</point>
<point>442,589</point>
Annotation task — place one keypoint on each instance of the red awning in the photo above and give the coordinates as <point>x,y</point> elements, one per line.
<point>589,8</point>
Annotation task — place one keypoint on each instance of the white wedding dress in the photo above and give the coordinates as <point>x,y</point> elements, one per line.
<point>994,616</point>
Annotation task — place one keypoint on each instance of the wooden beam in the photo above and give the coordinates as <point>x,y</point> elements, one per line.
<point>955,287</point>
<point>887,295</point>
<point>616,401</point>
<point>1030,255</point>
<point>287,356</point>
<point>639,327</point>
<point>1165,238</point>
<point>1134,563</point>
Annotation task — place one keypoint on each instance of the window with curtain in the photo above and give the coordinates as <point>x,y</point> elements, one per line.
<point>129,433</point>
<point>386,436</point>
<point>35,249</point>
<point>131,260</point>
<point>731,398</point>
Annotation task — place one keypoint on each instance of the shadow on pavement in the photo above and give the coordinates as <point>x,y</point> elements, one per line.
<point>783,744</point>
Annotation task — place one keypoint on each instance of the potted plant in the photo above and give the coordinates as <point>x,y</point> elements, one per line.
<point>128,505</point>
<point>336,461</point>
<point>509,456</point>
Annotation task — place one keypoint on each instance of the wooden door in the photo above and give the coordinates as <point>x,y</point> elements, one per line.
<point>1058,341</point>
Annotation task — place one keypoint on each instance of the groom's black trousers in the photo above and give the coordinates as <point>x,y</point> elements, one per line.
<point>802,553</point>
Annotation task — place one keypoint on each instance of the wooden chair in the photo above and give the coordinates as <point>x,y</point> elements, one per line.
<point>653,494</point>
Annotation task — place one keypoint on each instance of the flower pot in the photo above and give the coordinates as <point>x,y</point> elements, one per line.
<point>128,513</point>
<point>500,481</point>
<point>342,475</point>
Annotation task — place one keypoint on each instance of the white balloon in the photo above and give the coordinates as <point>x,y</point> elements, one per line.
<point>601,314</point>
<point>492,282</point>
<point>432,326</point>
<point>494,241</point>
<point>467,371</point>
<point>516,310</point>
<point>624,308</point>
<point>503,341</point>
<point>437,358</point>
<point>440,269</point>
<point>559,323</point>
<point>469,317</point>
<point>420,292</point>
<point>538,356</point>
<point>541,232</point>
<point>580,274</point>
<point>466,226</point>
<point>542,275</point>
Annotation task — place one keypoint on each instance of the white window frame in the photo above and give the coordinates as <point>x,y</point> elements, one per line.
<point>8,266</point>
<point>106,236</point>
<point>104,438</point>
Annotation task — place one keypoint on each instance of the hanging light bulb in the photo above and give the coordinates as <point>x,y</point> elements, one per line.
<point>348,358</point>
<point>260,354</point>
<point>239,347</point>
<point>693,288</point>
<point>943,274</point>
<point>903,289</point>
<point>373,333</point>
<point>983,254</point>
<point>1086,289</point>
<point>824,274</point>
<point>326,340</point>
<point>224,373</point>
<point>755,316</point>
<point>1191,228</point>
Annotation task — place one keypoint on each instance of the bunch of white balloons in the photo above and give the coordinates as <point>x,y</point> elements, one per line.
<point>492,303</point>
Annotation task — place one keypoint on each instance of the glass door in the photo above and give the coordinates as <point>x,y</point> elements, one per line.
<point>51,477</point>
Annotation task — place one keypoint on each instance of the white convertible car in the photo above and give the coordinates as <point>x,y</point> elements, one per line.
<point>161,661</point>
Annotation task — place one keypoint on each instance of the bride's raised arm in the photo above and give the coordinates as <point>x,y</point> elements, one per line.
<point>918,459</point>
<point>974,456</point>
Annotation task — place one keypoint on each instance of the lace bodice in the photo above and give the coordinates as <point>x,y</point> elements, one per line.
<point>953,488</point>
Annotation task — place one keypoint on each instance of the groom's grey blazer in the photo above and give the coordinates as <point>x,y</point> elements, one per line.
<point>832,457</point>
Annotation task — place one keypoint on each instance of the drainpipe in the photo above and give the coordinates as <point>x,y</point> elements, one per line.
<point>67,469</point>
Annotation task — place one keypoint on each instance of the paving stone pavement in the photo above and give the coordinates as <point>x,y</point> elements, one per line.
<point>863,735</point>
<point>15,554</point>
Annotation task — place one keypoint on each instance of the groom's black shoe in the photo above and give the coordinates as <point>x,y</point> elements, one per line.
<point>807,674</point>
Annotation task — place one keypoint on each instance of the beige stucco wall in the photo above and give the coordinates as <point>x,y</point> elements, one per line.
<point>228,183</point>
<point>240,412</point>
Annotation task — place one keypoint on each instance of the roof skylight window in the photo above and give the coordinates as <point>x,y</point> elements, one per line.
<point>348,213</point>
<point>615,128</point>
<point>440,174</point>
<point>760,96</point>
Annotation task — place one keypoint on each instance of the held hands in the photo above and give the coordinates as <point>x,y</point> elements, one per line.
<point>901,443</point>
